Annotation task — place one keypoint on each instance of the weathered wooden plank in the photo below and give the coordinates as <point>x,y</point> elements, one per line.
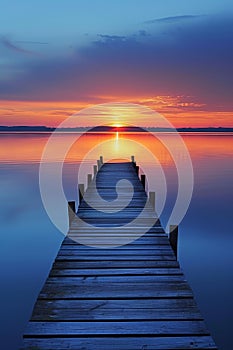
<point>115,232</point>
<point>67,264</point>
<point>138,245</point>
<point>114,290</point>
<point>126,229</point>
<point>114,252</point>
<point>107,241</point>
<point>146,226</point>
<point>115,271</point>
<point>114,315</point>
<point>141,309</point>
<point>123,238</point>
<point>116,279</point>
<point>71,328</point>
<point>149,303</point>
<point>141,222</point>
<point>164,257</point>
<point>144,248</point>
<point>136,237</point>
<point>126,343</point>
<point>118,216</point>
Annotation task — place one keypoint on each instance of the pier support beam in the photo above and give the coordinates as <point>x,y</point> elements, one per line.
<point>132,159</point>
<point>173,238</point>
<point>95,169</point>
<point>101,160</point>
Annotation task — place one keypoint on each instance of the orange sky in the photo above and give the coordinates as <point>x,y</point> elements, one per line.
<point>179,111</point>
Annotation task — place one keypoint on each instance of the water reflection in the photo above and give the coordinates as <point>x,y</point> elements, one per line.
<point>29,241</point>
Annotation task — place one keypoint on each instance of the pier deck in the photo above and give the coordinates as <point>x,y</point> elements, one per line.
<point>129,297</point>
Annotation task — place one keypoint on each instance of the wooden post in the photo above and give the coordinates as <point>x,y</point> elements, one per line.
<point>71,211</point>
<point>81,192</point>
<point>143,181</point>
<point>152,199</point>
<point>95,169</point>
<point>98,164</point>
<point>173,238</point>
<point>101,160</point>
<point>134,164</point>
<point>89,179</point>
<point>137,169</point>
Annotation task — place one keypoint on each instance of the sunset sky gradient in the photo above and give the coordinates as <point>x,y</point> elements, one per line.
<point>175,57</point>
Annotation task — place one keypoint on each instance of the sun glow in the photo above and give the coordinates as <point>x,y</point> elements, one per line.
<point>117,125</point>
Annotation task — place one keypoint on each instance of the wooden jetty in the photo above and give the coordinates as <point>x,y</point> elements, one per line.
<point>129,297</point>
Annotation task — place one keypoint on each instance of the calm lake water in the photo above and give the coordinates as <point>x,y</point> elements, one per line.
<point>29,241</point>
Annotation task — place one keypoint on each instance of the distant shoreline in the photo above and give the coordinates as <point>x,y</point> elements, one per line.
<point>28,129</point>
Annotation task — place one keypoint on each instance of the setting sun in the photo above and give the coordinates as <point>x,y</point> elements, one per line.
<point>117,125</point>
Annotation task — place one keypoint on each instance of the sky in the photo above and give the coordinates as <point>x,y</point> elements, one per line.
<point>58,57</point>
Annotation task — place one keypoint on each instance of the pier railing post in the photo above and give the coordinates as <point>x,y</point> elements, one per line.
<point>81,192</point>
<point>173,238</point>
<point>71,211</point>
<point>98,164</point>
<point>152,199</point>
<point>89,179</point>
<point>136,167</point>
<point>143,181</point>
<point>101,160</point>
<point>95,169</point>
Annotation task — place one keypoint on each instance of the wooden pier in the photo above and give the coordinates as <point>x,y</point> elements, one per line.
<point>103,297</point>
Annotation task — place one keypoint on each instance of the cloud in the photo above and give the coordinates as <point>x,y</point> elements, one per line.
<point>31,42</point>
<point>143,33</point>
<point>11,46</point>
<point>111,37</point>
<point>196,59</point>
<point>173,19</point>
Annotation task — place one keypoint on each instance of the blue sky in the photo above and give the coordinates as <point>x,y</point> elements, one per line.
<point>67,22</point>
<point>176,54</point>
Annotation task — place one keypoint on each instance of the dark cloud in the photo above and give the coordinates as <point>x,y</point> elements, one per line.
<point>111,37</point>
<point>195,58</point>
<point>31,42</point>
<point>11,46</point>
<point>173,19</point>
<point>143,33</point>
